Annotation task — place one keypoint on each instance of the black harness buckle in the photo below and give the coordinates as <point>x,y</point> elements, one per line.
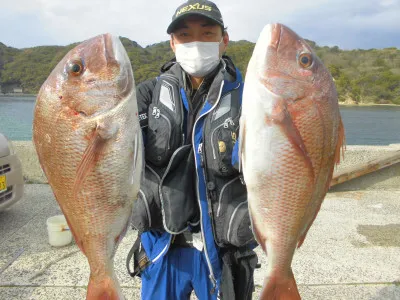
<point>140,259</point>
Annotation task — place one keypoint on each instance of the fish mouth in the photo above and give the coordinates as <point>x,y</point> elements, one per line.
<point>276,33</point>
<point>267,47</point>
<point>115,54</point>
<point>108,42</point>
<point>266,52</point>
<point>113,49</point>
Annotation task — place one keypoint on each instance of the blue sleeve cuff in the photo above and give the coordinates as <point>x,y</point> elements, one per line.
<point>235,155</point>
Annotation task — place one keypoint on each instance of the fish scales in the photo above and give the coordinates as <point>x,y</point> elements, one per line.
<point>291,134</point>
<point>87,136</point>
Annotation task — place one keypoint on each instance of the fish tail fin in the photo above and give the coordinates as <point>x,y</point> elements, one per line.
<point>104,289</point>
<point>280,288</point>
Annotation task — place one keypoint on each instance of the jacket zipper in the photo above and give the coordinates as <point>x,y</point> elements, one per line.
<point>182,119</point>
<point>212,277</point>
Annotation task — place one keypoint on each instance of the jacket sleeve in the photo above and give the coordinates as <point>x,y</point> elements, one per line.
<point>144,95</point>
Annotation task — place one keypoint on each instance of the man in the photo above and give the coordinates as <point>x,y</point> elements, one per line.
<point>192,216</point>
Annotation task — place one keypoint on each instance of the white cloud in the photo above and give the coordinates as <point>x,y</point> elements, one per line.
<point>388,2</point>
<point>329,22</point>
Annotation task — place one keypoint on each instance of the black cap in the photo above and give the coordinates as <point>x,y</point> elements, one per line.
<point>203,8</point>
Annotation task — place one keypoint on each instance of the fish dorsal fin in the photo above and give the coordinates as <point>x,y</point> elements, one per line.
<point>340,147</point>
<point>341,143</point>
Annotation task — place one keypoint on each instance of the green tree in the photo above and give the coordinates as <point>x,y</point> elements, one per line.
<point>370,76</point>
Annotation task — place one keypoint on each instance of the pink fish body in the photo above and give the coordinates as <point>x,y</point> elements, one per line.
<point>87,136</point>
<point>291,136</point>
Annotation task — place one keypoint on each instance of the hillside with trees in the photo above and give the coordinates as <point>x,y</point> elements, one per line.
<point>361,76</point>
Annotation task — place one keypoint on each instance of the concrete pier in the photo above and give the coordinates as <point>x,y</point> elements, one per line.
<point>385,179</point>
<point>354,155</point>
<point>351,252</point>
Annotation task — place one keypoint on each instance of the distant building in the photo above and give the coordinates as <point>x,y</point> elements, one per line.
<point>13,88</point>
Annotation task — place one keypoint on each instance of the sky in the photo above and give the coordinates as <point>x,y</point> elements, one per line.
<point>348,24</point>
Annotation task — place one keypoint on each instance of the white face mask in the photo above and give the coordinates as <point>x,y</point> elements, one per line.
<point>198,58</point>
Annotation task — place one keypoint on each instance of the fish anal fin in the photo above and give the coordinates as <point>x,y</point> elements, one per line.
<point>120,236</point>
<point>260,238</point>
<point>302,239</point>
<point>303,236</point>
<point>280,288</point>
<point>77,240</point>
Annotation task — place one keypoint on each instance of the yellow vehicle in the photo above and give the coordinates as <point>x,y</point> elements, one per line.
<point>11,179</point>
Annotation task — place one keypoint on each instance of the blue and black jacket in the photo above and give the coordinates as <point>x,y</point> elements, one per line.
<point>190,182</point>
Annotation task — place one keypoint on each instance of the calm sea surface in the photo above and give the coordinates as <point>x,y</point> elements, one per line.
<point>374,125</point>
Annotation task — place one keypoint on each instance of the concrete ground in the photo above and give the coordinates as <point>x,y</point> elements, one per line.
<point>351,252</point>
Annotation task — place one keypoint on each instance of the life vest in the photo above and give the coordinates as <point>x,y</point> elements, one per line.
<point>189,186</point>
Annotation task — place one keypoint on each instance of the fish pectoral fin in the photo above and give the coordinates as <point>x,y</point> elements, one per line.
<point>283,118</point>
<point>107,129</point>
<point>242,137</point>
<point>89,159</point>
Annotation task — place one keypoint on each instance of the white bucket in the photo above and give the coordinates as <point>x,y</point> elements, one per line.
<point>58,230</point>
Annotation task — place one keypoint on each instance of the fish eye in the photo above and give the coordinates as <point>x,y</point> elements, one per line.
<point>305,60</point>
<point>75,68</point>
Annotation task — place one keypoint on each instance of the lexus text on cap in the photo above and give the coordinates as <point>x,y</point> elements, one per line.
<point>203,8</point>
